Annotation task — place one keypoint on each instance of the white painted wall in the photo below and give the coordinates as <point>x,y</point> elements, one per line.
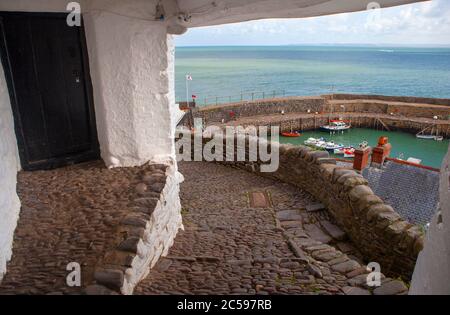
<point>9,166</point>
<point>131,64</point>
<point>432,272</point>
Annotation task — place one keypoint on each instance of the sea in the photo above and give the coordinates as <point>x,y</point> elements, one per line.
<point>222,74</point>
<point>229,71</point>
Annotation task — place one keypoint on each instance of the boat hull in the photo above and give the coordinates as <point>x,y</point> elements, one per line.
<point>290,134</point>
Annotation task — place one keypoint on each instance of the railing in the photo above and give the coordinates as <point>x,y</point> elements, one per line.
<point>247,96</point>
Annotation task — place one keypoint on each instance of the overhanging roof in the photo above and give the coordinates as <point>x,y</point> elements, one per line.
<point>214,12</point>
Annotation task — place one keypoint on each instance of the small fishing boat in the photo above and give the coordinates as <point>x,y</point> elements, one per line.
<point>332,146</point>
<point>425,137</point>
<point>292,134</point>
<point>317,143</point>
<point>431,136</point>
<point>336,125</point>
<point>311,141</point>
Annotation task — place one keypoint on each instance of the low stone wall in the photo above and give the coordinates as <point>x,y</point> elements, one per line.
<point>260,107</point>
<point>144,235</point>
<point>389,108</point>
<point>403,99</point>
<point>373,226</point>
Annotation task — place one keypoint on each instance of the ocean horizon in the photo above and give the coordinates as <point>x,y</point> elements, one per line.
<point>224,73</point>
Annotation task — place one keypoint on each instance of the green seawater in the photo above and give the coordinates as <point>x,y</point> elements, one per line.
<point>404,145</point>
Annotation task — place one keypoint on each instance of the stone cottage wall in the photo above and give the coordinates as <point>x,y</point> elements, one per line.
<point>373,226</point>
<point>10,164</point>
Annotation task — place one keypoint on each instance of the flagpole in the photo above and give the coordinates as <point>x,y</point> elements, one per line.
<point>187,91</point>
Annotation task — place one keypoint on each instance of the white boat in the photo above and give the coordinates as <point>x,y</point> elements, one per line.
<point>426,137</point>
<point>336,125</point>
<point>332,146</point>
<point>431,135</point>
<point>414,160</point>
<point>318,143</point>
<point>311,141</point>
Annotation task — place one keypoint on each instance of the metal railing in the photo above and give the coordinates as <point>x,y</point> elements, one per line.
<point>245,96</point>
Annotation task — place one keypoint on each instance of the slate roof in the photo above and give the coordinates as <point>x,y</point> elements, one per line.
<point>413,192</point>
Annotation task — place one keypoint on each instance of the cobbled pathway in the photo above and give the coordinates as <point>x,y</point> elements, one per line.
<point>228,247</point>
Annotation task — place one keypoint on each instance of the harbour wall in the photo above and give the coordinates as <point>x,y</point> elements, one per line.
<point>403,99</point>
<point>356,120</point>
<point>374,227</point>
<point>408,114</point>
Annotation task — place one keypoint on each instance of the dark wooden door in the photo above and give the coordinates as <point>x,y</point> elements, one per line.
<point>46,68</point>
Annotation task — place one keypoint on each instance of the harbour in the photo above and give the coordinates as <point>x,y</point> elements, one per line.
<point>404,145</point>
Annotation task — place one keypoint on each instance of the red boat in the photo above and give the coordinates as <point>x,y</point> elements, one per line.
<point>294,134</point>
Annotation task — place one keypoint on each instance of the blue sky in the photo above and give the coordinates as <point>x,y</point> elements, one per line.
<point>425,23</point>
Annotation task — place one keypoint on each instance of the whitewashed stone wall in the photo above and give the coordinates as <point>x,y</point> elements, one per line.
<point>432,272</point>
<point>145,234</point>
<point>131,69</point>
<point>159,234</point>
<point>9,165</point>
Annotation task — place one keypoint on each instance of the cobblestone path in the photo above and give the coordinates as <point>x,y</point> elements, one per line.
<point>229,247</point>
<point>68,215</point>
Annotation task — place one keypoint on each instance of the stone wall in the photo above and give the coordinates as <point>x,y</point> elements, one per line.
<point>144,235</point>
<point>9,166</point>
<point>403,99</point>
<point>374,227</point>
<point>390,108</point>
<point>261,107</point>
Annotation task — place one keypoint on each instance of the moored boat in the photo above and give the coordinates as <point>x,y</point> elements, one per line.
<point>431,136</point>
<point>336,125</point>
<point>292,134</point>
<point>349,152</point>
<point>425,137</point>
<point>332,146</point>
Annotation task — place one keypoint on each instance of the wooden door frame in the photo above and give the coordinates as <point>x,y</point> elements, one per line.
<point>94,152</point>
